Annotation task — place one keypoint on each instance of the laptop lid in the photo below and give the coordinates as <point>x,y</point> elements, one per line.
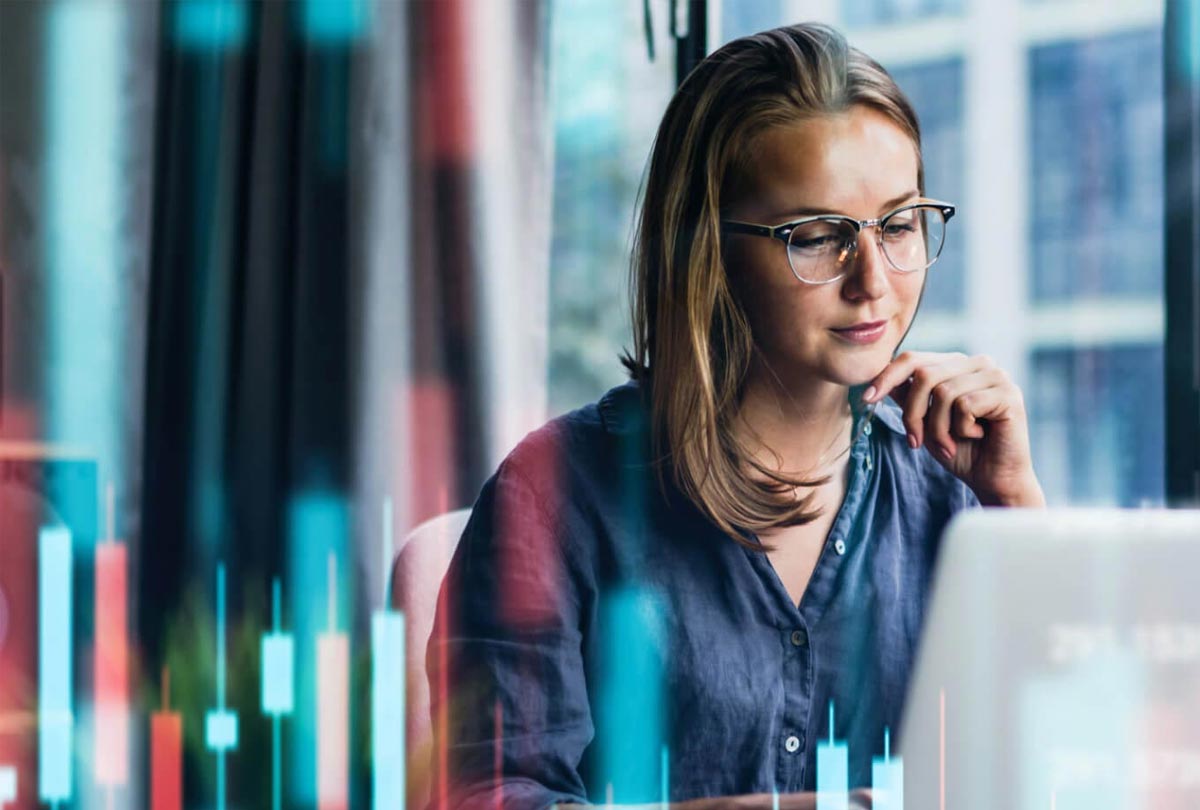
<point>1060,664</point>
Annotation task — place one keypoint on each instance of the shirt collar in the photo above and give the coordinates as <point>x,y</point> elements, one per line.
<point>622,410</point>
<point>887,412</point>
<point>891,416</point>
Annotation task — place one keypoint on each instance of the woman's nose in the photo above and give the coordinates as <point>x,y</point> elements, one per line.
<point>868,276</point>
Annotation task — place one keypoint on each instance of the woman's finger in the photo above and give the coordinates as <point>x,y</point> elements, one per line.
<point>966,424</point>
<point>939,421</point>
<point>924,379</point>
<point>897,372</point>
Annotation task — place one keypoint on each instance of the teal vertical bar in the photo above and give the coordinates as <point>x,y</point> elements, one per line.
<point>665,772</point>
<point>220,724</point>
<point>334,21</point>
<point>387,711</point>
<point>278,672</point>
<point>276,769</point>
<point>278,678</point>
<point>85,204</point>
<point>318,523</point>
<point>887,778</point>
<point>54,664</point>
<point>833,772</point>
<point>629,724</point>
<point>220,780</point>
<point>210,24</point>
<point>220,678</point>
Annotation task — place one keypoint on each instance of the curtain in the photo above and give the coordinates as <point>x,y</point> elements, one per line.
<point>275,272</point>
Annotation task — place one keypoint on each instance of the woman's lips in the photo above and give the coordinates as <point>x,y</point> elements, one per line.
<point>862,333</point>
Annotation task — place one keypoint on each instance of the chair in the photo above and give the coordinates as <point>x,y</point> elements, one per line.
<point>417,573</point>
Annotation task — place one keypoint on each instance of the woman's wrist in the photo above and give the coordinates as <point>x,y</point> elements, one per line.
<point>1027,495</point>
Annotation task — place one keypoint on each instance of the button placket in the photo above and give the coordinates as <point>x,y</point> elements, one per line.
<point>798,684</point>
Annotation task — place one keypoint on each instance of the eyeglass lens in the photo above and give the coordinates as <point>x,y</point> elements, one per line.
<point>912,240</point>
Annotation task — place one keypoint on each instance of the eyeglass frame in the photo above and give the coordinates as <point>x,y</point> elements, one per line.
<point>784,232</point>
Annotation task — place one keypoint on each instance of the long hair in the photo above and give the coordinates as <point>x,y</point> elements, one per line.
<point>692,342</point>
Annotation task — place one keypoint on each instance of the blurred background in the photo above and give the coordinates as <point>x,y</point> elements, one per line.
<point>283,281</point>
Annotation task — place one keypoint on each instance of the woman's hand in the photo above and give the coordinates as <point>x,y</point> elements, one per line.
<point>970,416</point>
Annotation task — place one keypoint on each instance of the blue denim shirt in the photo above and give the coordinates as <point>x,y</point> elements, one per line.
<point>575,514</point>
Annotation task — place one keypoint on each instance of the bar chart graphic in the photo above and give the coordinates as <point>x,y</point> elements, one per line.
<point>84,663</point>
<point>833,774</point>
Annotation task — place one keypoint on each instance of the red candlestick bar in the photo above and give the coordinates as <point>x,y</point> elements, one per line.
<point>112,666</point>
<point>166,755</point>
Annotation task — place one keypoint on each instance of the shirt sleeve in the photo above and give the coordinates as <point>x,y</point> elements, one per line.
<point>509,700</point>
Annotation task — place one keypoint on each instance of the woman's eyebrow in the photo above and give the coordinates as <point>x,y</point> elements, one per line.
<point>883,209</point>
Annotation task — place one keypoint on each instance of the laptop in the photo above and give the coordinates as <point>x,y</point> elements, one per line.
<point>1060,664</point>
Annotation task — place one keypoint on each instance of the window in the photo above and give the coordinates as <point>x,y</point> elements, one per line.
<point>1096,191</point>
<point>1095,428</point>
<point>739,19</point>
<point>1096,206</point>
<point>876,12</point>
<point>608,98</point>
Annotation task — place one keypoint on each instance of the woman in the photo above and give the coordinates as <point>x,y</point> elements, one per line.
<point>770,487</point>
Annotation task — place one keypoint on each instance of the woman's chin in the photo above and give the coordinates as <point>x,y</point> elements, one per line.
<point>860,372</point>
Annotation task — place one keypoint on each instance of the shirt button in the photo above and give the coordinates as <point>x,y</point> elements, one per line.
<point>799,638</point>
<point>839,546</point>
<point>792,744</point>
<point>867,429</point>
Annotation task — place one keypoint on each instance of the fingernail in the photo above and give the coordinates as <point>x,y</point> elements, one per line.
<point>947,453</point>
<point>869,394</point>
<point>912,441</point>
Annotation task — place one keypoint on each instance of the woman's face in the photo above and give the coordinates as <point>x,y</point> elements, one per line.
<point>858,164</point>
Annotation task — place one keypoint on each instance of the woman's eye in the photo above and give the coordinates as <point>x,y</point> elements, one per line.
<point>815,242</point>
<point>817,238</point>
<point>894,229</point>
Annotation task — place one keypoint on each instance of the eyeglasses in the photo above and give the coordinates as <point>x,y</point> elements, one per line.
<point>819,248</point>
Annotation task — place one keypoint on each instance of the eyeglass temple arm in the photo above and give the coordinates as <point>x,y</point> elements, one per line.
<point>729,226</point>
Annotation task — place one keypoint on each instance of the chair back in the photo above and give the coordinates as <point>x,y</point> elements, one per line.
<point>417,573</point>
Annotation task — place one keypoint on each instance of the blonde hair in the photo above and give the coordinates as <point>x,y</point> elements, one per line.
<point>692,343</point>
